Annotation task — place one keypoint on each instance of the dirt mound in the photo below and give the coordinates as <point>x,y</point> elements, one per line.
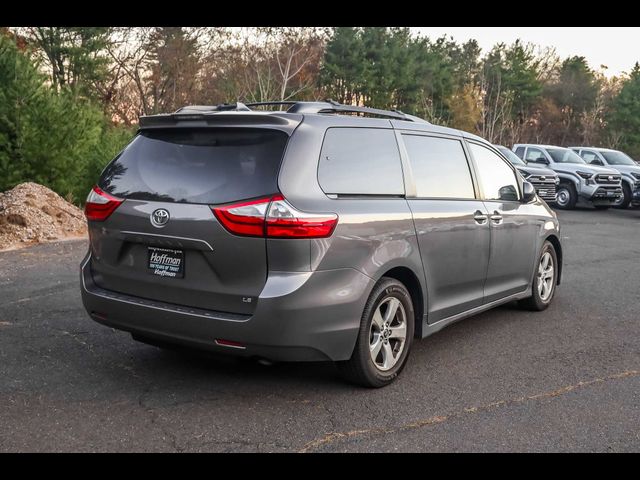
<point>31,213</point>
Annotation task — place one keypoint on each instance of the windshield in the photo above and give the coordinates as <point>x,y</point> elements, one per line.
<point>512,157</point>
<point>564,155</point>
<point>617,158</point>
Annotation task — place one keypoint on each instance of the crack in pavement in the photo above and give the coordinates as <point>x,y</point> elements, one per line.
<point>89,347</point>
<point>255,444</point>
<point>333,437</point>
<point>57,289</point>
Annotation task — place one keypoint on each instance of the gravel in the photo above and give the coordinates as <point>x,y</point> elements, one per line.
<point>32,213</point>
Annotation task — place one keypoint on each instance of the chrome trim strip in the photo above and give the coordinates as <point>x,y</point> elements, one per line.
<point>168,236</point>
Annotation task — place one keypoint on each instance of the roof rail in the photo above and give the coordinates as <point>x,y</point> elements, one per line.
<point>327,106</point>
<point>263,104</point>
<point>335,107</point>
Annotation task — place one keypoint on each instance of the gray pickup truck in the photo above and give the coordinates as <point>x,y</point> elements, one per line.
<point>543,179</point>
<point>579,181</point>
<point>621,162</point>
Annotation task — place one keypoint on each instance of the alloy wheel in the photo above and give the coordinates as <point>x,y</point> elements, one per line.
<point>546,276</point>
<point>388,333</point>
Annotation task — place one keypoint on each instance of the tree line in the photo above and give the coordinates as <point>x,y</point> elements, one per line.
<point>71,96</point>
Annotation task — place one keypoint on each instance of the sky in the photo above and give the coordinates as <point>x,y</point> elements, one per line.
<point>616,47</point>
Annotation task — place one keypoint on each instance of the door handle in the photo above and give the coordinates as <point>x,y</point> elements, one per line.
<point>496,217</point>
<point>479,217</point>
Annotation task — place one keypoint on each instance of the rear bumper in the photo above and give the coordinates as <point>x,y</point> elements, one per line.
<point>302,316</point>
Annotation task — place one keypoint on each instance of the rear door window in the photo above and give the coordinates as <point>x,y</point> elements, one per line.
<point>360,161</point>
<point>207,166</point>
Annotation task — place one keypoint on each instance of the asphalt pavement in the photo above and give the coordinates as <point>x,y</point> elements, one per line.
<point>567,379</point>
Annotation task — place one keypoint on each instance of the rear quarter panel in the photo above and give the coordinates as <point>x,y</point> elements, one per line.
<point>373,234</point>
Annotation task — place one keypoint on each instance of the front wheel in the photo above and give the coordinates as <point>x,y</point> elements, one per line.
<point>545,280</point>
<point>385,336</point>
<point>566,196</point>
<point>625,200</point>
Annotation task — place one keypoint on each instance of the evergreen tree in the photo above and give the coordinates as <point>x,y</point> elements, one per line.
<point>624,116</point>
<point>574,93</point>
<point>75,57</point>
<point>48,136</point>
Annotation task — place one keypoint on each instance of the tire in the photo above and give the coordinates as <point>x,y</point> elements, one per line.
<point>540,300</point>
<point>362,369</point>
<point>626,197</point>
<point>566,196</point>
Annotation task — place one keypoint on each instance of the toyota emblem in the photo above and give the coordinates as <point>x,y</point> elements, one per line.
<point>611,178</point>
<point>159,217</point>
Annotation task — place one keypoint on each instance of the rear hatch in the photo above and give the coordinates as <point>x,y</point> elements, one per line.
<point>163,242</point>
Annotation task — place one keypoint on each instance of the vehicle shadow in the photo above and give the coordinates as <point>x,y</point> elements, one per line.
<point>163,366</point>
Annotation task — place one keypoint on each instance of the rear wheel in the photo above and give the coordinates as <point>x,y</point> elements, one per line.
<point>385,336</point>
<point>566,197</point>
<point>625,200</point>
<point>545,280</point>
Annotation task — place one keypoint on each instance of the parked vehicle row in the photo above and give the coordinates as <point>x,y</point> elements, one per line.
<point>312,234</point>
<point>543,179</point>
<point>620,162</point>
<point>585,175</point>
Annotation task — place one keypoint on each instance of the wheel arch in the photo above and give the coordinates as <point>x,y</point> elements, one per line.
<point>555,241</point>
<point>409,279</point>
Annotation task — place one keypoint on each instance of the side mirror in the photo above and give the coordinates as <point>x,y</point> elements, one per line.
<point>595,161</point>
<point>508,193</point>
<point>528,192</point>
<point>542,160</point>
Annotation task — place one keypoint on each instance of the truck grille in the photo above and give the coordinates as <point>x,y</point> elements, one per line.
<point>610,193</point>
<point>545,186</point>
<point>604,179</point>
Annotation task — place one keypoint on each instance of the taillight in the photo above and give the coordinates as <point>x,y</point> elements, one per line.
<point>274,217</point>
<point>100,205</point>
<point>246,218</point>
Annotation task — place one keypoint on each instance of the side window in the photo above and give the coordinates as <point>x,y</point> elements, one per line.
<point>534,154</point>
<point>589,157</point>
<point>498,180</point>
<point>362,161</point>
<point>439,166</point>
<point>520,152</point>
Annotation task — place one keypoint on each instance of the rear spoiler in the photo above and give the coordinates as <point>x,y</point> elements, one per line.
<point>286,122</point>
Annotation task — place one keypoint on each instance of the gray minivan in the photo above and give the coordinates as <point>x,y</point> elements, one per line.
<point>311,234</point>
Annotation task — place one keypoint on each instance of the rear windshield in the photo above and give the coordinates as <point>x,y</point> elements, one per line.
<point>197,166</point>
